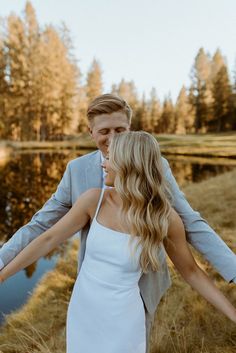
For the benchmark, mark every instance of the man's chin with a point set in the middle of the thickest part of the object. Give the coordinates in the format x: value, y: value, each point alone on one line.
x: 104, y: 152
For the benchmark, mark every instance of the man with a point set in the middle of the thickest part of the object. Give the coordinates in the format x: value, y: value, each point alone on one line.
x: 107, y: 115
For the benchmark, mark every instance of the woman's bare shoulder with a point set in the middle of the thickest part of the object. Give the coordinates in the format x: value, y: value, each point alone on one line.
x: 175, y: 223
x: 93, y: 192
x: 91, y: 196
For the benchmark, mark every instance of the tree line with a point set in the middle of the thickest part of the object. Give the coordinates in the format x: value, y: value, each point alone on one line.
x: 42, y: 97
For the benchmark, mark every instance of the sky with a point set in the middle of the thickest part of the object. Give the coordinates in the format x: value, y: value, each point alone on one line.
x: 152, y: 42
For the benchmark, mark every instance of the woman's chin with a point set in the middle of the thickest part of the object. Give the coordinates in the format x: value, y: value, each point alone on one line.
x: 109, y: 183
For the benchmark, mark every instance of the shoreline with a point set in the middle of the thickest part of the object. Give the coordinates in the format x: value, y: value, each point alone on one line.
x: 205, y: 145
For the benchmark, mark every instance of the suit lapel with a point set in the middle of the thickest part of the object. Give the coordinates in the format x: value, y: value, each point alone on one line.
x: 93, y: 172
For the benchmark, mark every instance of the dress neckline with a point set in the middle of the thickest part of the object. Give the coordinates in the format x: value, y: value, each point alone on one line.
x: 115, y: 231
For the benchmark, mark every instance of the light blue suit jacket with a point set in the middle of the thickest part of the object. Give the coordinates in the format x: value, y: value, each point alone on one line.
x: 84, y: 173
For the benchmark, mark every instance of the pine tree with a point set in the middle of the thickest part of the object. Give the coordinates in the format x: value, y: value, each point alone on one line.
x: 233, y: 100
x: 43, y: 79
x: 128, y: 91
x: 22, y: 59
x: 190, y: 122
x: 202, y: 95
x: 155, y: 110
x: 58, y: 86
x: 183, y: 116
x: 222, y: 94
x: 3, y: 89
x: 94, y: 81
x: 70, y: 87
x: 216, y: 64
x: 16, y: 43
x: 167, y: 120
x: 31, y: 120
x: 222, y: 105
x: 144, y: 114
x: 82, y: 105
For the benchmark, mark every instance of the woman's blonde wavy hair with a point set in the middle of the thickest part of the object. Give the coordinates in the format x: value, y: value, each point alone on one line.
x: 136, y: 159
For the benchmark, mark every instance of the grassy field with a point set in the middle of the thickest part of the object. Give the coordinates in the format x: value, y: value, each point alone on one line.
x: 205, y: 145
x: 184, y: 322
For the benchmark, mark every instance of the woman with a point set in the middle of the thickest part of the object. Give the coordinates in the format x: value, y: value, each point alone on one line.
x: 129, y: 222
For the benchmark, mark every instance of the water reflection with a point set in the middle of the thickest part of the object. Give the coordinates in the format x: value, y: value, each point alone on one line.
x: 29, y: 179
x: 17, y: 289
x: 195, y: 169
x: 26, y: 182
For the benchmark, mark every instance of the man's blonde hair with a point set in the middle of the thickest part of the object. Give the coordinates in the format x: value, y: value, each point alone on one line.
x: 107, y: 104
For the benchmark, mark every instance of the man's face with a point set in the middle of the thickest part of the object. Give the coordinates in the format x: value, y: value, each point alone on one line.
x: 104, y: 126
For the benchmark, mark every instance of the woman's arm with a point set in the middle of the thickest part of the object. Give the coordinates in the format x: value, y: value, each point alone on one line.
x: 199, y: 234
x: 181, y: 256
x: 73, y: 221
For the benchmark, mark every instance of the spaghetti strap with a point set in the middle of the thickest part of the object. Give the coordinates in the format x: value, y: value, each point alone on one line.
x: 99, y: 202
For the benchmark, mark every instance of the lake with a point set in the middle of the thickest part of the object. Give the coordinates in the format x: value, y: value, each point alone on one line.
x: 27, y: 179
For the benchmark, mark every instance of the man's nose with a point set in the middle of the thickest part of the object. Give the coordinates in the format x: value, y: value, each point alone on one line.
x: 111, y: 134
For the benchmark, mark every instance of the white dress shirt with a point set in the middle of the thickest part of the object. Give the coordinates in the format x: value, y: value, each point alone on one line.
x: 103, y: 174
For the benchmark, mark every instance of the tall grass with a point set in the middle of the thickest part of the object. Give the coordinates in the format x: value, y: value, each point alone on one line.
x: 184, y: 322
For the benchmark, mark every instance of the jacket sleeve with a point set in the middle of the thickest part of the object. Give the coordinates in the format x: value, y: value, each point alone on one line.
x: 199, y: 234
x: 55, y: 208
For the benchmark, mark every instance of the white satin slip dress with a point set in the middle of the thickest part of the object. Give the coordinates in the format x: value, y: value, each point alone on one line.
x: 106, y: 312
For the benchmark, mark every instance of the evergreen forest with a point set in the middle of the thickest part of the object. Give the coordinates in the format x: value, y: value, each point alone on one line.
x: 42, y: 97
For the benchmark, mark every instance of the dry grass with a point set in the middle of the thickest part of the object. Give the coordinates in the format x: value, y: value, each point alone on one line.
x: 204, y: 145
x: 184, y: 322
